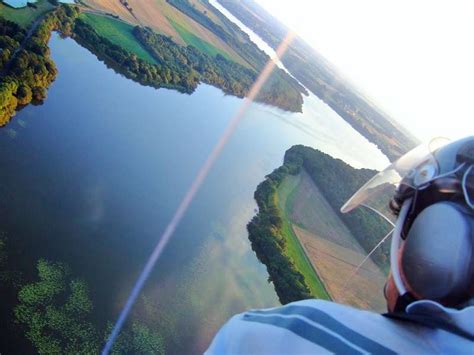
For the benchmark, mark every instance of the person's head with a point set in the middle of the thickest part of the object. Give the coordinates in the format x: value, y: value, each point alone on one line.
x: 433, y: 241
x: 432, y: 251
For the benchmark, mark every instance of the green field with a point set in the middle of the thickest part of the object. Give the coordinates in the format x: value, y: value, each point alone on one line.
x: 197, y: 42
x: 27, y: 15
x: 119, y: 33
x: 283, y: 199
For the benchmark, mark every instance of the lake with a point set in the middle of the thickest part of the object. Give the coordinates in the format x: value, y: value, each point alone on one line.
x: 92, y: 177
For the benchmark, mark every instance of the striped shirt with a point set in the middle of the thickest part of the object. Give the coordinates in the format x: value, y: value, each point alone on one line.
x: 316, y: 326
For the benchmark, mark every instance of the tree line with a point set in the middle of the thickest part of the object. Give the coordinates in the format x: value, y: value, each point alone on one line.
x: 11, y: 35
x: 281, y: 90
x: 27, y: 67
x: 188, y: 61
x: 182, y: 67
x: 267, y: 242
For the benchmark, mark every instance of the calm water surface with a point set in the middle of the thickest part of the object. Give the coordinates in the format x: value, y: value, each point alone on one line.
x: 93, y: 175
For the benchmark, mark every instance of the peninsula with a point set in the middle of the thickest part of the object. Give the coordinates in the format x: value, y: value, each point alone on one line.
x: 309, y: 248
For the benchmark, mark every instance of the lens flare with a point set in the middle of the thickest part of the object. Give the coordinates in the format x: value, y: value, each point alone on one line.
x: 194, y: 188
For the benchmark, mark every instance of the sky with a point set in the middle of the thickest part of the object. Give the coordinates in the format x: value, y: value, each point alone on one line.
x: 414, y: 59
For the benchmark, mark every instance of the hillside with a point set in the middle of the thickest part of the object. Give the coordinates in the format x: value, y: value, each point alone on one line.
x: 315, y: 73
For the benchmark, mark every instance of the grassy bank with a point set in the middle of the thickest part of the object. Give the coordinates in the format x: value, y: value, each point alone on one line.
x: 26, y: 15
x: 193, y: 40
x: 282, y: 208
x: 283, y: 199
x: 117, y: 32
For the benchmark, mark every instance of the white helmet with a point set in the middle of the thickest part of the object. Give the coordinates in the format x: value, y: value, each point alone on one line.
x: 432, y: 252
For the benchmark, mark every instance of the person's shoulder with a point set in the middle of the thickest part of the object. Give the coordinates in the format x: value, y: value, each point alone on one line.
x: 315, y: 309
x: 308, y: 326
x: 319, y: 304
x: 312, y: 310
x: 317, y: 326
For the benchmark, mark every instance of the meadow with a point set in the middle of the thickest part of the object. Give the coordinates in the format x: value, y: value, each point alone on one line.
x: 284, y: 200
x: 315, y: 232
x: 118, y: 32
x: 27, y: 15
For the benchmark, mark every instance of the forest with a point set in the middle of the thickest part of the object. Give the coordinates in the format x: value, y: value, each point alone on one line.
x: 230, y: 77
x: 26, y: 67
x: 269, y: 245
x: 337, y: 181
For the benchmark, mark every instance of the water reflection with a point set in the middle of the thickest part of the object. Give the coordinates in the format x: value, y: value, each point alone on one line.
x: 92, y: 177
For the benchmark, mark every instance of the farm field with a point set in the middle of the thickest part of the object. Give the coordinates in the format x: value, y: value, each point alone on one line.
x: 197, y: 42
x: 311, y: 211
x: 27, y: 15
x: 118, y: 32
x: 332, y: 250
x: 293, y: 247
x: 336, y: 265
x: 157, y: 14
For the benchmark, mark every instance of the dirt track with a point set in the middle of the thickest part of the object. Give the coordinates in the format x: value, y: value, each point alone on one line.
x: 335, y: 266
x: 333, y: 250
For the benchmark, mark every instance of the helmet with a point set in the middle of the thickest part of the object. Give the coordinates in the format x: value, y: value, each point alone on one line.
x: 429, y: 195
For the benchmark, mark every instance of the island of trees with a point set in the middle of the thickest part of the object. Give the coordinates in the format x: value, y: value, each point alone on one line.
x: 337, y: 181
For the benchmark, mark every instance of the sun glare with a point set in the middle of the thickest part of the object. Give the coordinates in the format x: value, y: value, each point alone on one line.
x: 413, y: 59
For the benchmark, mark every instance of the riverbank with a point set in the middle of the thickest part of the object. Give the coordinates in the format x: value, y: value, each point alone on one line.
x: 269, y: 241
x: 285, y: 198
